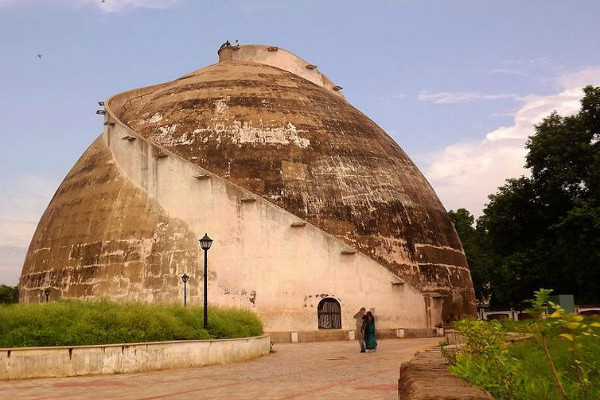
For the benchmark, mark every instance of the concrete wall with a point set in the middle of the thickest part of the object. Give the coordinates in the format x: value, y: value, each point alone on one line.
x: 259, y: 260
x: 46, y: 362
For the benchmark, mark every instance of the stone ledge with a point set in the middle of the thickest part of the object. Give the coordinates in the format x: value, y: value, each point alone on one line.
x: 427, y: 377
x: 62, y: 361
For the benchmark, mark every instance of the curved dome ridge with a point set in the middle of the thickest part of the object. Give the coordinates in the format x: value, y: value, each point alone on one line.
x: 279, y: 58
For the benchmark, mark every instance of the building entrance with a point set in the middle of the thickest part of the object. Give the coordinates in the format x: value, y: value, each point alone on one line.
x: 330, y: 314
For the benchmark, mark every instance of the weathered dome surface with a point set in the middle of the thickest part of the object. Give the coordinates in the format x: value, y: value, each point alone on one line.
x: 264, y: 121
x: 306, y: 149
x: 102, y: 236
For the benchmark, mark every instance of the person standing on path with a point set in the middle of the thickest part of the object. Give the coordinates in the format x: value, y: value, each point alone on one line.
x: 359, y: 326
x: 368, y: 329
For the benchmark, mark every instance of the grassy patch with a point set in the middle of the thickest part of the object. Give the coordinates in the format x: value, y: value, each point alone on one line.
x: 73, y: 322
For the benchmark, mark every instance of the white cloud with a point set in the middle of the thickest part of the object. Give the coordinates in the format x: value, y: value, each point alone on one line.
x: 393, y: 97
x: 125, y: 5
x: 508, y: 71
x: 462, y: 97
x: 521, y: 67
x: 110, y: 6
x: 464, y: 174
x: 22, y: 203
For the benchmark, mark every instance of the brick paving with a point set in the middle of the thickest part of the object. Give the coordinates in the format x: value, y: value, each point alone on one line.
x: 317, y: 370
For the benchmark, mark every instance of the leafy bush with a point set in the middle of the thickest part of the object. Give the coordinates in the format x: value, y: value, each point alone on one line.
x: 9, y: 294
x: 560, y: 360
x: 73, y: 322
x: 484, y: 360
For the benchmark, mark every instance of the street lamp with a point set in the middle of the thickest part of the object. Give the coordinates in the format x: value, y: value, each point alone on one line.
x: 47, y: 293
x: 185, y: 279
x: 205, y: 243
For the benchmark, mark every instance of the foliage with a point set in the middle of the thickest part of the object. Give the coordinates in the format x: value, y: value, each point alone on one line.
x: 478, y: 257
x: 9, y: 294
x: 483, y: 359
x: 544, y: 230
x: 561, y: 362
x: 71, y: 322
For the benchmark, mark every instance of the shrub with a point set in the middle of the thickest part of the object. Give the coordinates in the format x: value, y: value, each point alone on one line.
x: 9, y: 294
x: 560, y: 360
x: 74, y: 322
x: 484, y: 360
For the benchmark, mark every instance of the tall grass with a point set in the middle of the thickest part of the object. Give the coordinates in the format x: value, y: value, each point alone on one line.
x: 73, y: 322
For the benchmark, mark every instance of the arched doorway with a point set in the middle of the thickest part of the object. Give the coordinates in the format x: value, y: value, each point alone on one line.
x: 330, y: 314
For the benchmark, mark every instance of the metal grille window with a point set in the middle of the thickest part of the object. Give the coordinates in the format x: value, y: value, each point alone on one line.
x: 330, y: 314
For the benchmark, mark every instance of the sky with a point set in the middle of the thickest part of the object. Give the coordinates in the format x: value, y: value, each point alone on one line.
x: 458, y: 84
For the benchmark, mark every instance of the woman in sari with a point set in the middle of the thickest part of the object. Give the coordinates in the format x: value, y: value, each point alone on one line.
x: 368, y: 329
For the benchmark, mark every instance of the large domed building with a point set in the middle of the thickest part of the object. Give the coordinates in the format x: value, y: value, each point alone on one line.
x: 314, y: 210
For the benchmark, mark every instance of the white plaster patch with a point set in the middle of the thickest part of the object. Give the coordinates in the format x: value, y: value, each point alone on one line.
x: 185, y: 139
x: 244, y: 132
x: 221, y: 107
x: 166, y: 137
x: 419, y: 245
x: 155, y: 118
x: 119, y: 253
x: 167, y: 129
x: 145, y: 246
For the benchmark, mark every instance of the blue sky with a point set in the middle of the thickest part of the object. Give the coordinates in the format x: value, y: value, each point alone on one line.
x: 458, y: 84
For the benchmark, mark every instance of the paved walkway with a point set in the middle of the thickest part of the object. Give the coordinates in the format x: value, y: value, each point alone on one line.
x: 318, y: 370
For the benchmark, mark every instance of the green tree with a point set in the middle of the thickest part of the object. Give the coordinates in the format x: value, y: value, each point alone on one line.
x: 544, y: 230
x: 9, y: 294
x: 473, y: 241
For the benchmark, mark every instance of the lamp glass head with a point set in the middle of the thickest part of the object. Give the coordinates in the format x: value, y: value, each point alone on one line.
x: 205, y: 242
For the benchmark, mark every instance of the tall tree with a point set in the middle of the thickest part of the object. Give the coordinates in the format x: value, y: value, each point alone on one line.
x: 476, y: 250
x: 544, y: 230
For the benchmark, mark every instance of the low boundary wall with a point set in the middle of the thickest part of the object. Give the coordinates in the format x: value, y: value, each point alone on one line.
x: 46, y: 362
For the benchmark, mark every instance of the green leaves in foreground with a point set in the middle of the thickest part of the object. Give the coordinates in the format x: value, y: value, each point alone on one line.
x: 72, y: 322
x: 558, y: 356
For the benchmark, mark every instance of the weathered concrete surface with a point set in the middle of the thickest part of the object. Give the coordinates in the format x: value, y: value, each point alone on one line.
x: 103, y: 236
x: 42, y: 362
x: 426, y: 377
x: 306, y: 197
x: 307, y: 150
x: 259, y: 262
x: 318, y: 370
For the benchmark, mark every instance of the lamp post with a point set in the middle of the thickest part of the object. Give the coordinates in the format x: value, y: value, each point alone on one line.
x: 47, y: 293
x: 205, y: 243
x: 185, y: 279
